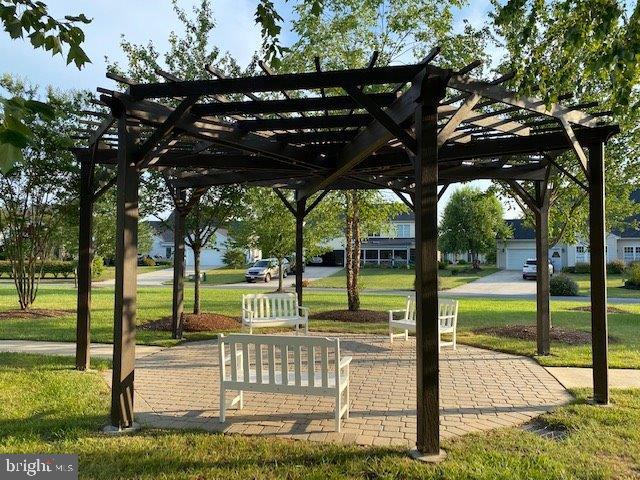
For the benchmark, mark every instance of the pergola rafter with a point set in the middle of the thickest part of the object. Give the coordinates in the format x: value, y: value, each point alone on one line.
x: 408, y: 128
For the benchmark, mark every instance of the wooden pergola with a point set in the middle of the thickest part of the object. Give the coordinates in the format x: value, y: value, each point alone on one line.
x: 407, y: 128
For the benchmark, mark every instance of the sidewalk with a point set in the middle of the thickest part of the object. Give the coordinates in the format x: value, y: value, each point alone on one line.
x: 575, y: 377
x: 98, y: 350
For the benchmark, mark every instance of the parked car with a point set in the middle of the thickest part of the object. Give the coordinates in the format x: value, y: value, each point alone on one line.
x: 530, y: 268
x: 266, y: 269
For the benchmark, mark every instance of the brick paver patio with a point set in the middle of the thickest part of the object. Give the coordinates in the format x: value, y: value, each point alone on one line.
x: 480, y: 390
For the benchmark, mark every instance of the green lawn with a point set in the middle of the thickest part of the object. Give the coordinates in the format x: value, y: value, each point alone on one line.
x: 402, y: 279
x: 222, y: 276
x: 154, y: 303
x: 615, y: 286
x: 45, y: 407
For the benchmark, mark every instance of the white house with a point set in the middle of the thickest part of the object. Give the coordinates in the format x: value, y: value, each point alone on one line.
x: 211, y: 256
x: 397, y: 247
x: 621, y: 244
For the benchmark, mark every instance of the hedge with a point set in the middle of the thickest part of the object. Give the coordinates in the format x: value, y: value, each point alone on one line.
x: 51, y: 268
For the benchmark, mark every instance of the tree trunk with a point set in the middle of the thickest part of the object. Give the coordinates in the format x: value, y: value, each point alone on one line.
x: 280, y: 276
x: 196, y: 279
x: 352, y: 235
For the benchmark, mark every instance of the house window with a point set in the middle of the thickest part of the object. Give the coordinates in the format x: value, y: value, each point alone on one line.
x: 370, y: 256
x: 167, y: 253
x: 403, y: 230
x: 637, y: 253
x: 628, y: 254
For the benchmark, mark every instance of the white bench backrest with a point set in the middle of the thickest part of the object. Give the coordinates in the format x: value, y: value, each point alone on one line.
x: 447, y: 311
x: 270, y: 305
x: 267, y: 354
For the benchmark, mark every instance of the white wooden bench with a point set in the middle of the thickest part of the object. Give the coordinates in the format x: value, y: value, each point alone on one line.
x: 273, y: 310
x: 447, y: 314
x: 283, y: 364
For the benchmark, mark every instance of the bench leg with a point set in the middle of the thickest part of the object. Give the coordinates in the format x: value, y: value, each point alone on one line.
x: 346, y: 413
x: 306, y: 327
x: 454, y: 340
x: 222, y: 405
x: 390, y: 334
x: 406, y: 335
x: 338, y: 409
x: 241, y: 403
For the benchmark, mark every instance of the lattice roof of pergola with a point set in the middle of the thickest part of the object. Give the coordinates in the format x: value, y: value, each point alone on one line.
x: 337, y: 129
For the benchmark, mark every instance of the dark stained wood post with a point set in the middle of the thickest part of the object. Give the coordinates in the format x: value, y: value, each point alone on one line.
x: 427, y: 324
x: 85, y: 257
x: 301, y: 205
x: 597, y: 234
x: 125, y: 281
x: 178, y: 267
x: 543, y: 319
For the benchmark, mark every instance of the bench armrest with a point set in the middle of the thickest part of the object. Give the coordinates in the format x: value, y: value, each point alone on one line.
x: 303, y: 310
x: 250, y: 312
x: 391, y: 312
x: 344, y: 362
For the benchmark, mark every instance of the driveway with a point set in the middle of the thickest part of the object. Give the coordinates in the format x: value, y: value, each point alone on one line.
x: 310, y: 273
x: 503, y: 283
x: 157, y: 277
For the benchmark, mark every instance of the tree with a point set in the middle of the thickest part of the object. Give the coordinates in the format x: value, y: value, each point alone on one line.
x: 36, y: 193
x: 471, y: 222
x: 560, y: 43
x: 270, y: 227
x: 366, y: 211
x: 189, y: 51
x: 216, y: 209
x: 344, y: 36
x: 20, y: 17
x: 587, y: 49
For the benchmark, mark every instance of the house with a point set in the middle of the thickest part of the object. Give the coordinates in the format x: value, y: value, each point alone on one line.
x: 621, y: 244
x: 162, y: 247
x: 395, y: 247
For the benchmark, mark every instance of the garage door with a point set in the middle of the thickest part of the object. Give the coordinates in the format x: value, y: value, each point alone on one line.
x: 517, y: 256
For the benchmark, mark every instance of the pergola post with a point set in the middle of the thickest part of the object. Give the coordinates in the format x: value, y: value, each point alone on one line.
x: 597, y: 235
x: 427, y: 324
x: 125, y: 281
x: 179, y: 215
x: 301, y: 206
x: 543, y: 319
x: 85, y: 257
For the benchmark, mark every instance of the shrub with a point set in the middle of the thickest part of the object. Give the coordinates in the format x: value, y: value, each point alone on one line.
x: 462, y: 262
x: 234, y: 258
x: 568, y: 269
x: 616, y: 266
x: 564, y: 286
x: 50, y: 268
x: 633, y: 276
x: 97, y: 267
x: 148, y: 262
x: 442, y: 266
x: 582, y: 267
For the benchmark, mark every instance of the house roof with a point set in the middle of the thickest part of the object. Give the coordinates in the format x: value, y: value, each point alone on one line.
x: 163, y: 229
x: 520, y: 230
x: 405, y: 217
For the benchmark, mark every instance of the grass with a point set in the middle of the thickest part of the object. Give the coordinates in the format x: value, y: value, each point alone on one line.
x: 154, y: 303
x: 615, y: 286
x: 402, y: 279
x: 224, y: 276
x: 46, y: 407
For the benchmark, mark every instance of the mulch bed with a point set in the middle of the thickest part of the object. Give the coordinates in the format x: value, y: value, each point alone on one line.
x: 588, y: 309
x: 359, y: 316
x: 34, y: 313
x: 528, y: 332
x: 205, y: 322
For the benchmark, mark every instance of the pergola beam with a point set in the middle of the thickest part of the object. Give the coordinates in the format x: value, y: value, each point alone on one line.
x: 272, y: 83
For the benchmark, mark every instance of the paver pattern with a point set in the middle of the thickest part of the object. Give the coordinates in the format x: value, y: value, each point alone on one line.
x: 480, y: 390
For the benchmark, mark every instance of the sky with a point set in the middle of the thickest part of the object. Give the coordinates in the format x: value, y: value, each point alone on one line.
x: 145, y: 20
